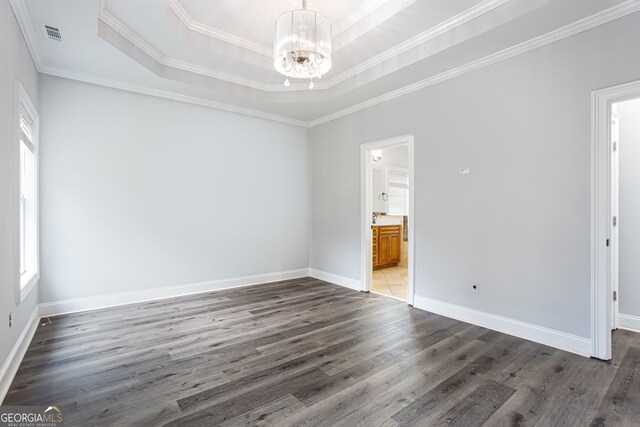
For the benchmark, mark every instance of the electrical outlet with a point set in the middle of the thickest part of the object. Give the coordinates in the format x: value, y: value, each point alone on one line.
x: 475, y: 288
x: 10, y: 320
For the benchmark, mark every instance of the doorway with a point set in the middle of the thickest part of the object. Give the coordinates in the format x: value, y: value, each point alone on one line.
x: 625, y: 202
x: 387, y: 243
x: 616, y: 112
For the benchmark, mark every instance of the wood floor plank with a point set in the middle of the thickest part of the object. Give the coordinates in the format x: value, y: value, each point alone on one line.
x: 382, y: 396
x: 621, y: 404
x: 536, y: 395
x: 358, y: 340
x: 389, y: 389
x: 306, y: 352
x: 336, y: 331
x: 236, y: 404
x: 264, y: 415
x: 478, y: 406
x: 453, y: 388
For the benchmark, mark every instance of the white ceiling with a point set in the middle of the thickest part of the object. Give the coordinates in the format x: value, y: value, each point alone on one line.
x: 218, y: 53
x: 230, y: 16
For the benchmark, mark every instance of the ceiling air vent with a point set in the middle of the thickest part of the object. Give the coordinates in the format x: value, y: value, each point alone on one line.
x: 53, y: 33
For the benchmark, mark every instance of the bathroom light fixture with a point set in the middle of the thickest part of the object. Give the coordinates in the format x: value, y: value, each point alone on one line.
x: 302, y: 45
x: 376, y: 155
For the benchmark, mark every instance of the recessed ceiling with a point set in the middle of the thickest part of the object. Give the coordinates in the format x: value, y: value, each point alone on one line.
x: 231, y: 16
x: 219, y: 53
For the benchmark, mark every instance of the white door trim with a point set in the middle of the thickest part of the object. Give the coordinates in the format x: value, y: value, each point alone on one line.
x: 366, y: 212
x: 615, y: 210
x: 601, y: 213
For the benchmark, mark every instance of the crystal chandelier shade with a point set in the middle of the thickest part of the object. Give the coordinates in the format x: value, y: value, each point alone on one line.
x: 302, y: 46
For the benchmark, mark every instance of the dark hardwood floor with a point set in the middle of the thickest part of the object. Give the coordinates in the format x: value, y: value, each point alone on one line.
x: 305, y: 352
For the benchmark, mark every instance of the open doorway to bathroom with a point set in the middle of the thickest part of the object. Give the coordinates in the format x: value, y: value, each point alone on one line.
x: 625, y: 207
x: 615, y: 224
x: 388, y: 218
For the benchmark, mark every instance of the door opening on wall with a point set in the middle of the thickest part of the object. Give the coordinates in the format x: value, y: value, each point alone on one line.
x: 614, y: 299
x: 387, y: 236
x: 625, y: 208
x: 615, y: 214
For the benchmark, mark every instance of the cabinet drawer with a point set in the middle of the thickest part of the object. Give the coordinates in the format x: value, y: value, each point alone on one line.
x: 389, y: 229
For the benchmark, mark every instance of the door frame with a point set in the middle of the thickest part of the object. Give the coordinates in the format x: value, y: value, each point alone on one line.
x: 366, y: 256
x: 602, y: 230
x: 615, y: 211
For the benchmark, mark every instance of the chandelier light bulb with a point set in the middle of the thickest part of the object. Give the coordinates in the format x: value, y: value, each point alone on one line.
x: 311, y: 85
x: 287, y: 83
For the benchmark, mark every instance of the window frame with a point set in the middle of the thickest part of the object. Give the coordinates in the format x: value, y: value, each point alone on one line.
x: 404, y: 186
x: 23, y: 102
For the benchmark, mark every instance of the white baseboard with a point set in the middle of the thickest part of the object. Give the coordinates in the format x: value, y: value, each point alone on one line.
x: 629, y: 322
x: 546, y: 336
x: 528, y: 331
x: 14, y: 359
x: 112, y: 300
x: 347, y: 282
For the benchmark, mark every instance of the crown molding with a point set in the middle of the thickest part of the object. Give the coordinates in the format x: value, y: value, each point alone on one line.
x: 572, y: 29
x: 468, y: 15
x: 145, y: 90
x: 24, y: 22
x: 26, y: 27
x: 600, y: 18
x: 111, y: 21
x: 349, y: 21
x: 119, y: 27
x: 176, y: 7
x: 358, y: 15
x: 364, y: 19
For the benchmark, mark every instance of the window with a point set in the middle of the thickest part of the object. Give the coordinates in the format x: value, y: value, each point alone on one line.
x: 398, y: 182
x: 28, y: 193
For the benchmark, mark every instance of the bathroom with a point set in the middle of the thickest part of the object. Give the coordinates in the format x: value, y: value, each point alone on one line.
x: 390, y: 221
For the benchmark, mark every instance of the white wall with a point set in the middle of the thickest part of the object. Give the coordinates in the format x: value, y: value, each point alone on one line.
x: 629, y: 207
x: 15, y: 64
x: 140, y: 192
x: 520, y: 222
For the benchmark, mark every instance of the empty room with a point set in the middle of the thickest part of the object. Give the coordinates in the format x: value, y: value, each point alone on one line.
x: 319, y: 213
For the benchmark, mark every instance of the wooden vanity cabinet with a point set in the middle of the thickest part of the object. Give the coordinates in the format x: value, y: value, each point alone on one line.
x: 386, y: 246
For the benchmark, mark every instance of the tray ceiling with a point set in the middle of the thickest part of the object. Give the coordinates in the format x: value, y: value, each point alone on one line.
x: 219, y: 53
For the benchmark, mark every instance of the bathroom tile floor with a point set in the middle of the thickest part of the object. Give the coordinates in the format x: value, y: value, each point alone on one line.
x: 392, y: 281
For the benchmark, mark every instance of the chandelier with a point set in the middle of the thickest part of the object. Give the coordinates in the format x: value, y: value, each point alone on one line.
x: 302, y: 45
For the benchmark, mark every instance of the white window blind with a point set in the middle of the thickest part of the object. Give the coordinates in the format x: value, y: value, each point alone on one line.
x: 398, y: 182
x: 28, y: 202
x: 26, y: 130
x: 398, y: 178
